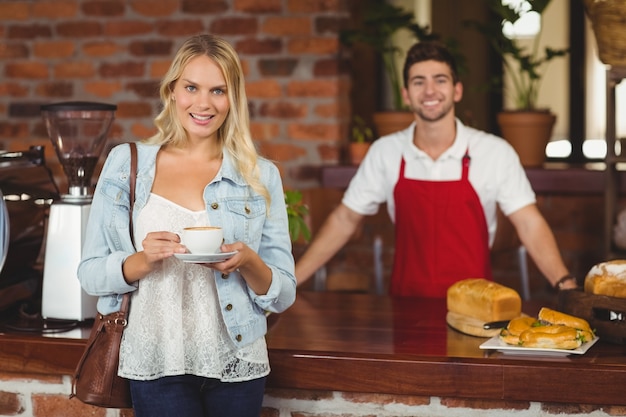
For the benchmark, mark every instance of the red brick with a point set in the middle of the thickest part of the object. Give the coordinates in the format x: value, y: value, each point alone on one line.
x: 234, y: 26
x: 383, y: 399
x: 313, y: 6
x: 153, y: 8
x: 279, y: 67
x: 80, y: 29
x: 122, y: 69
x: 102, y: 88
x: 564, y: 409
x: 256, y: 6
x: 150, y: 47
x: 129, y: 110
x: 281, y: 151
x: 159, y: 68
x: 264, y: 131
x: 139, y: 130
x: 25, y: 109
x: 13, y: 50
x: 269, y: 412
x: 321, y: 46
x: 263, y: 89
x: 10, y: 403
x: 13, y: 89
x: 334, y: 110
x: 254, y: 46
x: 13, y: 130
x: 54, y: 9
x: 313, y: 88
x: 180, y: 27
x: 331, y: 67
x: 55, y: 89
x: 14, y: 10
x: 73, y: 69
x: 103, y: 8
x: 60, y: 405
x: 330, y: 24
x: 127, y: 28
x: 53, y: 49
x: 484, y: 404
x: 317, y: 131
x: 101, y: 48
x: 26, y: 70
x: 615, y: 410
x: 31, y: 31
x: 283, y: 110
x: 204, y: 7
x: 287, y: 26
x: 146, y: 89
x: 298, y: 394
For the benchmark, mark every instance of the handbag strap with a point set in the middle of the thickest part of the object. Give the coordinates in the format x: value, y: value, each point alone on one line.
x: 131, y: 193
x: 131, y: 199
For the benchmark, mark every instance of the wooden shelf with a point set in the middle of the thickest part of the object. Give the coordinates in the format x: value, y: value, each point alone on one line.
x: 613, y: 180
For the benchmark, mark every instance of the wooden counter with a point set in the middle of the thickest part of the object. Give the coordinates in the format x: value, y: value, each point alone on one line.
x: 552, y: 178
x: 366, y: 343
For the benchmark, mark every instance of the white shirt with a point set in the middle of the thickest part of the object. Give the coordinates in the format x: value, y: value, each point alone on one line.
x: 175, y: 324
x: 495, y: 172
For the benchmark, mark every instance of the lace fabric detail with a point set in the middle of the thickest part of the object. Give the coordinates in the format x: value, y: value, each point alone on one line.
x: 175, y: 324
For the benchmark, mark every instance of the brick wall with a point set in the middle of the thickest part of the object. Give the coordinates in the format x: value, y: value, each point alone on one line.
x: 47, y: 396
x: 116, y: 51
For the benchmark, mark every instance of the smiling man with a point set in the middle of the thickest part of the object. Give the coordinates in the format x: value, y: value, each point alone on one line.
x: 442, y: 182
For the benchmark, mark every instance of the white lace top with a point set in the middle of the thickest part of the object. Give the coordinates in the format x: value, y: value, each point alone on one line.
x: 175, y: 324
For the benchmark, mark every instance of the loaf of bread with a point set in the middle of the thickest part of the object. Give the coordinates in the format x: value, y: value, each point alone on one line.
x: 484, y: 300
x: 607, y: 278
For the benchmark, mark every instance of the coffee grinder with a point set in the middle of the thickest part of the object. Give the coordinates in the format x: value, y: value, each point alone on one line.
x: 78, y: 131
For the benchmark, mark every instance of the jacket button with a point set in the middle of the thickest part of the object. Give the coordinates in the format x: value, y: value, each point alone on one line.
x: 238, y: 337
x: 214, y: 206
x: 224, y: 276
x: 229, y: 307
x: 247, y: 209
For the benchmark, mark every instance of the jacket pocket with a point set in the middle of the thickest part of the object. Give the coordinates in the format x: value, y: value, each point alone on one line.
x: 248, y: 218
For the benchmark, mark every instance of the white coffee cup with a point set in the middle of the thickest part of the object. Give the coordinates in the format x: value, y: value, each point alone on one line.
x: 203, y: 239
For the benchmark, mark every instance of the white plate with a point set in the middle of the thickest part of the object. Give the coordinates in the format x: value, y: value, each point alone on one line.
x: 496, y: 344
x: 208, y: 258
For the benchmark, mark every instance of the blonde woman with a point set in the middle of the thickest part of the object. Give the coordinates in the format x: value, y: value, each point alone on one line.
x: 194, y: 345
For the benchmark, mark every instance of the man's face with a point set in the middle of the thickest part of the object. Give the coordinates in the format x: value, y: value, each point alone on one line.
x: 431, y: 92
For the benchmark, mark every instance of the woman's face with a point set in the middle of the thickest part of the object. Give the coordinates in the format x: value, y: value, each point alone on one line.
x: 201, y: 99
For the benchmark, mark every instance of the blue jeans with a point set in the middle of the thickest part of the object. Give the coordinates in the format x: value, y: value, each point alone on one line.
x: 194, y: 396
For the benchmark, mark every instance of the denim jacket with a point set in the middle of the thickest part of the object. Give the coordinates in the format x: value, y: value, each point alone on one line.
x: 230, y: 203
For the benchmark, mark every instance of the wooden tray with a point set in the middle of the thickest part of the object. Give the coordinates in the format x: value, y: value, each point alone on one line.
x: 469, y: 325
x: 606, y: 315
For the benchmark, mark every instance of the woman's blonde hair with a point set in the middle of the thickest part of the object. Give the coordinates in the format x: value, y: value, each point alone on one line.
x: 234, y: 134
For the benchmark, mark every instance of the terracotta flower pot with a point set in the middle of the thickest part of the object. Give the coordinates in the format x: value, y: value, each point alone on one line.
x: 357, y: 151
x: 392, y: 121
x: 529, y: 133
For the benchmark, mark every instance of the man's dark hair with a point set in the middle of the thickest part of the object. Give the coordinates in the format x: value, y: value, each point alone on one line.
x: 429, y: 51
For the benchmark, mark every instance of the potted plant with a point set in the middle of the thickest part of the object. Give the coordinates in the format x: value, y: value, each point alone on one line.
x: 361, y: 137
x: 380, y: 23
x: 296, y: 215
x: 525, y: 67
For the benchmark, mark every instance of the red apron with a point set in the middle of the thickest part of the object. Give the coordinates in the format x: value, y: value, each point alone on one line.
x: 441, y: 235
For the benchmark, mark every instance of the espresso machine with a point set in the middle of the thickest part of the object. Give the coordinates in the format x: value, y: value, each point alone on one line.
x: 78, y: 131
x: 27, y: 190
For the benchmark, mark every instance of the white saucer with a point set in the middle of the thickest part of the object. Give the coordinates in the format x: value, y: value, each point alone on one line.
x: 204, y: 258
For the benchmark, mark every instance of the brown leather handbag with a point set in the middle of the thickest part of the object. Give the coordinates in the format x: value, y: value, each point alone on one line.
x: 95, y: 379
